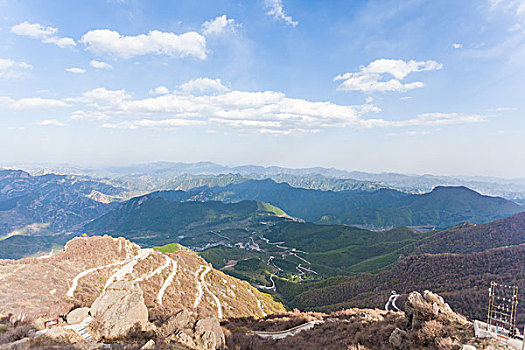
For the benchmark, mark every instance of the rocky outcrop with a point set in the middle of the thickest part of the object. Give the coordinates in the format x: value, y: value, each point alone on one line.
x: 190, y: 329
x: 209, y: 334
x: 430, y: 306
x: 119, y: 309
x: 429, y: 321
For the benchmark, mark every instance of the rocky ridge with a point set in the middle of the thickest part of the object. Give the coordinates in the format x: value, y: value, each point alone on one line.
x: 50, y: 287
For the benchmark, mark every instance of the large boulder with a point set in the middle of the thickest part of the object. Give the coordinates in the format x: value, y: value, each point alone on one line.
x: 120, y: 307
x: 78, y: 315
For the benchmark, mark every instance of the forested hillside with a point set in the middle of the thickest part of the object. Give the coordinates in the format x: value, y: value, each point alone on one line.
x: 462, y: 278
x: 442, y: 208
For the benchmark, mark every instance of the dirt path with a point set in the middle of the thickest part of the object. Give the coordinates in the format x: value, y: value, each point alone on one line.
x: 200, y: 292
x: 156, y: 271
x: 289, y: 332
x: 392, y: 302
x: 11, y: 273
x: 217, y: 301
x: 128, y: 268
x: 73, y: 287
x: 168, y: 281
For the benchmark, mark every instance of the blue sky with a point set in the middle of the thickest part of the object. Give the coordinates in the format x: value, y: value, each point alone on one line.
x: 407, y: 86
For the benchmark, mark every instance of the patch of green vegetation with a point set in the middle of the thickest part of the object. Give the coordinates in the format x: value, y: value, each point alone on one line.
x: 271, y: 209
x: 221, y: 255
x: 168, y: 248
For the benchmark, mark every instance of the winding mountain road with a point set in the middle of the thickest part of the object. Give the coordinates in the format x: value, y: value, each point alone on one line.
x: 217, y: 301
x: 12, y: 272
x: 272, y: 287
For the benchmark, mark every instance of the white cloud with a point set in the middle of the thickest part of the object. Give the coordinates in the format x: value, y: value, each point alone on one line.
x: 275, y: 9
x: 406, y: 98
x: 33, y: 30
x: 12, y: 69
x: 43, y: 33
x: 369, y: 78
x: 100, y: 65
x: 76, y: 70
x: 516, y: 7
x: 457, y: 46
x: 89, y: 116
x: 203, y: 84
x: 109, y: 42
x: 102, y: 98
x: 51, y: 122
x: 148, y: 123
x: 60, y: 42
x: 218, y: 26
x: 33, y: 103
x: 159, y: 90
x: 502, y: 109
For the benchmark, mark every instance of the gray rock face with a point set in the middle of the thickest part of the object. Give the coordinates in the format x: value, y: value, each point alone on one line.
x: 78, y: 315
x: 118, y: 309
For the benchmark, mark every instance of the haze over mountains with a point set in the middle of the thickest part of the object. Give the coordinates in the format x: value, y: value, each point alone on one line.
x: 315, y: 177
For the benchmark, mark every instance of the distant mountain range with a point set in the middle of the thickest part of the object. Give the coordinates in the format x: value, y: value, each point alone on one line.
x: 441, y: 208
x: 157, y: 176
x: 50, y: 203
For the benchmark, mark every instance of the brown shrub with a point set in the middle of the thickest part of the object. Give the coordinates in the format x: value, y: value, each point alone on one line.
x: 19, y: 330
x: 431, y: 330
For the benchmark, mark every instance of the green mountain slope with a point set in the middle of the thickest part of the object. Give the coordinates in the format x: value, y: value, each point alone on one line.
x: 153, y: 221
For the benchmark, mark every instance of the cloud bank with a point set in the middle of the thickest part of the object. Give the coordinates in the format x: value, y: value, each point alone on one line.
x: 207, y: 101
